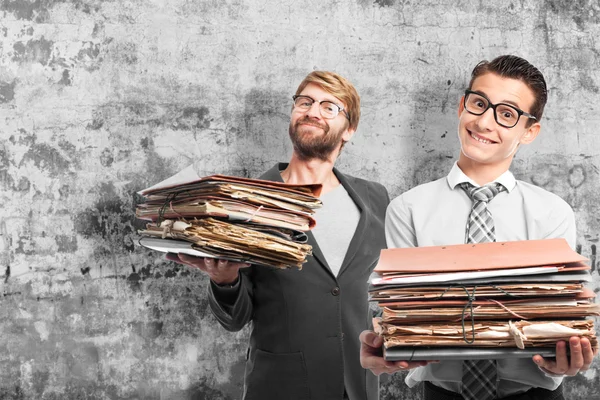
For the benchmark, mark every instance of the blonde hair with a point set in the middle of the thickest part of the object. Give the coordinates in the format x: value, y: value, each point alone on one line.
x: 339, y: 87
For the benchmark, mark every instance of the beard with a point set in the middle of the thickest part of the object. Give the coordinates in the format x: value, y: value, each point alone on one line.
x: 308, y: 146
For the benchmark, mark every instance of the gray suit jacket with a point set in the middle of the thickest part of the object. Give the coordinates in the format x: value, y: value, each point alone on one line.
x: 305, y: 323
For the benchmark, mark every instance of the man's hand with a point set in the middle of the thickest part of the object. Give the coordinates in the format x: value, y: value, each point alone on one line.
x: 221, y: 272
x: 580, y: 359
x: 371, y: 356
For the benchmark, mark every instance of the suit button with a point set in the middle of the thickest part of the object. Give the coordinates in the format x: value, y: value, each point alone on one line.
x: 335, y: 291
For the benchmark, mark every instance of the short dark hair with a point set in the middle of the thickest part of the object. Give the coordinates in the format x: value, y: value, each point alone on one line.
x: 509, y: 66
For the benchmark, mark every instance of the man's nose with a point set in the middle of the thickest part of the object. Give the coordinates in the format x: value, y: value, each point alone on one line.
x: 314, y: 110
x: 487, y: 121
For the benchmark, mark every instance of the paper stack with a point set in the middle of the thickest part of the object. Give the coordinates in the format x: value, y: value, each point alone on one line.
x: 238, y: 219
x: 503, y: 299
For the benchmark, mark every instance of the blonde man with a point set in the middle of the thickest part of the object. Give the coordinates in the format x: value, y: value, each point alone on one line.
x: 305, y: 324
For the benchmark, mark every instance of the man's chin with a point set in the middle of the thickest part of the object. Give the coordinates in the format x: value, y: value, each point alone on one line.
x: 306, y: 151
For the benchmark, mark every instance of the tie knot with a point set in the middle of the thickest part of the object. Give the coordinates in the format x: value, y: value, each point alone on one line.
x: 483, y: 193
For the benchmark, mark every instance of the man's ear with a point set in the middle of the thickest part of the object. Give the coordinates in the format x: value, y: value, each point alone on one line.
x: 531, y: 133
x: 461, y: 105
x: 347, y: 135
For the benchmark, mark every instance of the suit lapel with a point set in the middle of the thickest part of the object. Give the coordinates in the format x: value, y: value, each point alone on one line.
x: 359, y: 195
x: 317, y: 253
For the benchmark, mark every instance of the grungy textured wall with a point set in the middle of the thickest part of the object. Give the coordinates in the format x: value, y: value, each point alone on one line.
x: 99, y: 99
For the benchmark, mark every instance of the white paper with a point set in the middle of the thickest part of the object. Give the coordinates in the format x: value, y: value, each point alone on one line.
x: 458, y: 276
x: 172, y: 246
x: 186, y: 175
x: 549, y: 330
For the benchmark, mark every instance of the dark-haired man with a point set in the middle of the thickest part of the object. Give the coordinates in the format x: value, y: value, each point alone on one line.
x: 500, y: 111
x: 305, y: 324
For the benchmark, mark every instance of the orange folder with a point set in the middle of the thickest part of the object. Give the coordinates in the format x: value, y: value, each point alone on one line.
x: 480, y: 257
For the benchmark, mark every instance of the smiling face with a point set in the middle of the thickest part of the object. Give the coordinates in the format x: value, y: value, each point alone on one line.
x: 313, y: 136
x: 485, y: 143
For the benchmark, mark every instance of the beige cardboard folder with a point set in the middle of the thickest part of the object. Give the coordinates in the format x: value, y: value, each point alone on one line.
x: 477, y: 257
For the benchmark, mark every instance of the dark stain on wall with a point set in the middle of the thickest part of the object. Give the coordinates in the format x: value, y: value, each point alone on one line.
x: 98, y: 29
x: 579, y: 387
x: 39, y: 50
x: 147, y: 330
x: 89, y: 56
x: 587, y: 81
x: 64, y: 191
x: 126, y: 52
x: 109, y: 222
x: 106, y: 158
x: 576, y: 176
x: 133, y: 113
x: 157, y: 169
x: 385, y: 3
x: 392, y: 387
x: 25, y: 9
x: 432, y: 167
x: 553, y: 173
x: 145, y: 143
x: 6, y: 180
x: 7, y: 91
x: 579, y: 10
x: 66, y: 78
x: 66, y: 244
x: 202, y: 391
x: 192, y: 118
x: 39, y: 381
x: 38, y: 10
x: 67, y: 146
x: 437, y: 96
x: 149, y: 272
x: 46, y: 157
x: 24, y: 245
x: 97, y: 121
x: 266, y: 112
x: 23, y: 186
x: 11, y: 392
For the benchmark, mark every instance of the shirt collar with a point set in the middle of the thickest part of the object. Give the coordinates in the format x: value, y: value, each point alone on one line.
x: 456, y: 176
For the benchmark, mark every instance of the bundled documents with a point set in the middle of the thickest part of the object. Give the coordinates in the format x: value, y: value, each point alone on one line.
x: 521, y: 296
x: 238, y: 219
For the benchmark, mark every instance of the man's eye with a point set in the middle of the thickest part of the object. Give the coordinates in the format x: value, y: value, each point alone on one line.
x: 329, y: 106
x: 507, y: 114
x: 304, y: 103
x: 480, y: 103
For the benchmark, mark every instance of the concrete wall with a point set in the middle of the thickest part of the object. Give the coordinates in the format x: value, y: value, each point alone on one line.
x: 99, y: 99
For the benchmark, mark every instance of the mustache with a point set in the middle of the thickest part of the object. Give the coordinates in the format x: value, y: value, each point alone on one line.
x: 307, y: 121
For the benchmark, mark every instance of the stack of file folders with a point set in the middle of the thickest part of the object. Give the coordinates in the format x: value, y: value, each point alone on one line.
x: 478, y: 301
x: 238, y: 219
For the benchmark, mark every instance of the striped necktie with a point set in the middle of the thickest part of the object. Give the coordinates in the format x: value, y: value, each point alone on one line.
x: 480, y: 376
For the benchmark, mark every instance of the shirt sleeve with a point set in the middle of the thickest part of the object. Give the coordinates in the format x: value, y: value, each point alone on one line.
x: 232, y: 307
x: 563, y: 224
x: 399, y: 229
x: 226, y: 294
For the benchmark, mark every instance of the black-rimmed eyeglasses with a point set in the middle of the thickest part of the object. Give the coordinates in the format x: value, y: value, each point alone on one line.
x: 328, y: 109
x: 504, y: 114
